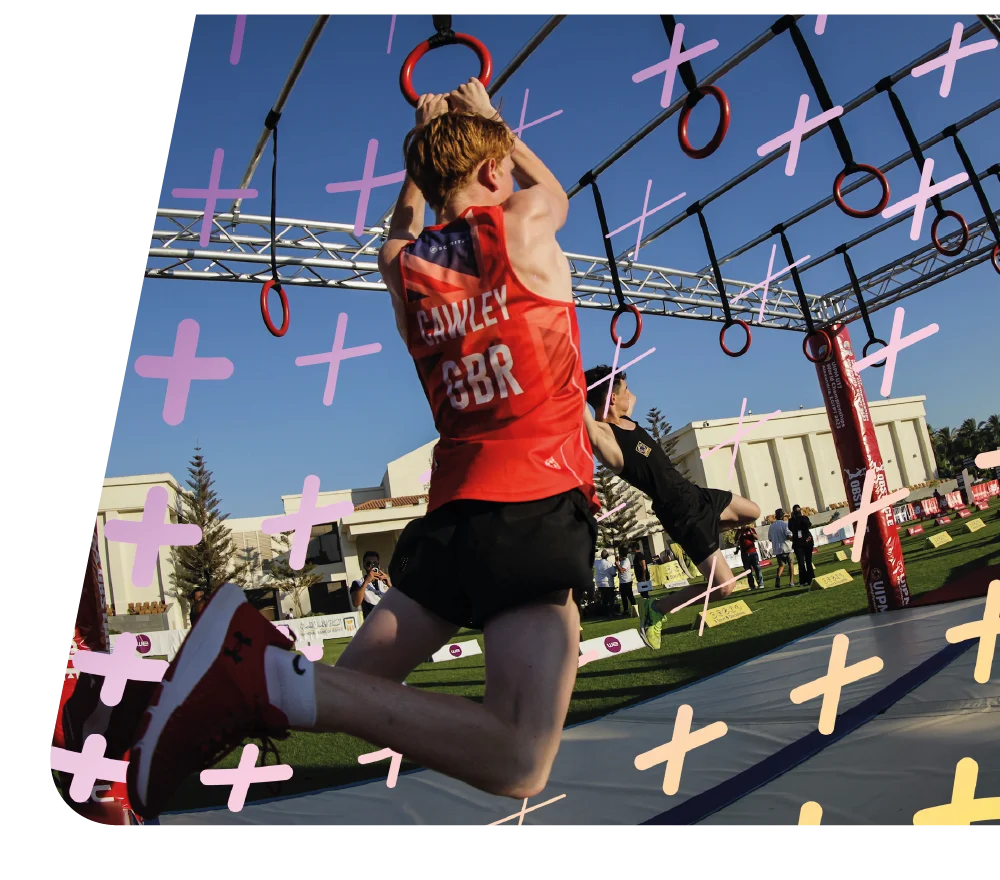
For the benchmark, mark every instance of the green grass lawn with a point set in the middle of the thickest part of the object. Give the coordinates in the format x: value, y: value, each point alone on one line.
x: 779, y: 616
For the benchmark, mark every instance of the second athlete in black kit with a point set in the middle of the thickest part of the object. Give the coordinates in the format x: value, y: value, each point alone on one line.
x: 693, y: 516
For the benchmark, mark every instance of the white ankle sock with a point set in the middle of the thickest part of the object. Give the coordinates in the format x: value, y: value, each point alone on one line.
x: 291, y: 685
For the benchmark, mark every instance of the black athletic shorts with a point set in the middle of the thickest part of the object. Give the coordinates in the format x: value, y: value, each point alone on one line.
x: 698, y: 532
x: 467, y: 560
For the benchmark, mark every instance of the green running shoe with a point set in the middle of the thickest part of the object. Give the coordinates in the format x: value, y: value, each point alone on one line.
x: 650, y: 624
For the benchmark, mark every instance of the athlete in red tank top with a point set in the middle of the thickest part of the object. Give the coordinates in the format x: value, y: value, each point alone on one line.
x: 500, y: 366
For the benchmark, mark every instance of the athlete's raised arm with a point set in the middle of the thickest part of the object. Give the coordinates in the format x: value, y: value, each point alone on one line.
x: 603, y: 442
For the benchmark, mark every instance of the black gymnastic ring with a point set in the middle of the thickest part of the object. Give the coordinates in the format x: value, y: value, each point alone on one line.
x: 720, y: 131
x: 266, y: 314
x: 996, y: 257
x: 853, y: 212
x: 965, y: 234
x: 406, y: 71
x: 817, y: 331
x: 722, y: 337
x: 872, y: 341
x: 621, y: 310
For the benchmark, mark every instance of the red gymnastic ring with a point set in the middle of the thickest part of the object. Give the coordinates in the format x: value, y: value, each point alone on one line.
x: 722, y: 338
x: 827, y: 342
x: 406, y: 71
x: 853, y: 212
x: 996, y: 257
x: 720, y: 131
x: 265, y: 313
x: 638, y: 325
x: 870, y: 342
x: 963, y: 241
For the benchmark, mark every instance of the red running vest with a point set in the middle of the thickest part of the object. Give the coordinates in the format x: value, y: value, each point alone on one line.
x: 500, y: 366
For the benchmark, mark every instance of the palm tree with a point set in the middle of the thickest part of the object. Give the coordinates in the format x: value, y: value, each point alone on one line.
x: 968, y: 437
x: 991, y: 431
x: 944, y: 447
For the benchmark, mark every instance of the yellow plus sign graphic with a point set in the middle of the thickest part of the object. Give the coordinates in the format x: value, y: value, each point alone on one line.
x: 986, y: 630
x: 811, y: 814
x: 964, y: 808
x: 828, y: 686
x: 682, y: 742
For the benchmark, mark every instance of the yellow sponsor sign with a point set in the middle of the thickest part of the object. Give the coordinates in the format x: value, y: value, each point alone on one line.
x: 939, y: 539
x: 833, y: 579
x: 974, y: 525
x: 724, y: 613
x: 668, y: 572
x: 842, y: 555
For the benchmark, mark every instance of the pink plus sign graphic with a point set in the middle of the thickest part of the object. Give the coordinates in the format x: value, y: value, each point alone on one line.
x: 237, y: 48
x: 767, y: 281
x: 641, y: 219
x: 709, y: 590
x: 425, y: 476
x: 245, y: 775
x: 337, y: 354
x: 365, y: 186
x: 524, y: 109
x: 211, y: 196
x: 180, y: 368
x: 820, y: 25
x: 392, y: 27
x: 381, y: 755
x: 669, y: 67
x: 307, y: 516
x: 589, y: 657
x: 951, y: 57
x: 119, y: 666
x: 918, y: 201
x: 87, y: 766
x: 740, y: 432
x: 866, y: 507
x: 897, y: 342
x: 793, y: 137
x: 151, y: 533
x: 616, y: 369
x: 310, y: 652
x: 613, y: 510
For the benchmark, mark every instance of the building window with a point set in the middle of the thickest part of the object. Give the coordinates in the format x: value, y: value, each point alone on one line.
x: 324, y: 545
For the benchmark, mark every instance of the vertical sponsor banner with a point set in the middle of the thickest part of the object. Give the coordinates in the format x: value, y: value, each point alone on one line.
x: 108, y: 803
x: 857, y: 450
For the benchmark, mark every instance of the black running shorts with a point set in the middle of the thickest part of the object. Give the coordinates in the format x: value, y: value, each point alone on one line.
x: 698, y: 532
x: 469, y: 560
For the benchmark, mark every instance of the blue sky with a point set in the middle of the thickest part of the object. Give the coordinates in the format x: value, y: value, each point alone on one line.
x: 266, y: 428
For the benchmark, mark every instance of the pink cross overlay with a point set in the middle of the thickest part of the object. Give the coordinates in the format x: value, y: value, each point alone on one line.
x: 211, y: 196
x: 897, y: 342
x: 335, y: 356
x: 151, y: 533
x: 180, y: 368
x: 87, y: 766
x: 641, y: 219
x: 740, y: 432
x: 392, y: 27
x: 524, y: 109
x: 613, y: 510
x: 616, y: 369
x: 381, y: 755
x: 951, y: 57
x: 918, y: 201
x: 311, y: 652
x: 118, y: 667
x: 767, y: 281
x: 708, y: 590
x: 365, y: 186
x: 793, y: 137
x: 589, y: 657
x: 866, y: 507
x: 820, y: 25
x: 245, y: 775
x: 307, y: 516
x: 237, y: 48
x: 669, y: 67
x: 986, y: 460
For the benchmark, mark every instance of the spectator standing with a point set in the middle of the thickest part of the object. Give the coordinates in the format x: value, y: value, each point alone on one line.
x: 603, y: 569
x: 746, y: 541
x: 640, y: 568
x: 625, y: 577
x: 367, y: 592
x: 198, y: 603
x: 802, y: 544
x: 780, y: 537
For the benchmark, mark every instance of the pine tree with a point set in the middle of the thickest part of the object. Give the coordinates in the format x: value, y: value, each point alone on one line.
x: 617, y: 529
x: 214, y: 560
x: 659, y: 429
x: 290, y: 580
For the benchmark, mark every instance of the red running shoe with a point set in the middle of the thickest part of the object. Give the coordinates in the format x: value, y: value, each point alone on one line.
x: 213, y: 696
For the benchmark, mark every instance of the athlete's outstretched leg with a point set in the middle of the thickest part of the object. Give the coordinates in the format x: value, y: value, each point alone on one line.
x: 740, y: 512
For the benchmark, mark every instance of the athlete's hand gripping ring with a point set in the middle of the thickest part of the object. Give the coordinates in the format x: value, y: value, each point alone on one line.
x: 722, y: 338
x: 265, y: 312
x: 621, y: 310
x: 826, y: 346
x: 963, y: 239
x: 854, y: 212
x: 406, y: 71
x: 720, y: 131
